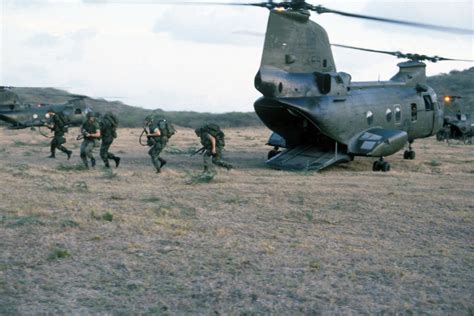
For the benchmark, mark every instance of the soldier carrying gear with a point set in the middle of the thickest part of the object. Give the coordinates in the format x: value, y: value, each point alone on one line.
x: 212, y: 139
x: 91, y: 131
x: 159, y: 133
x: 57, y: 124
x: 108, y: 131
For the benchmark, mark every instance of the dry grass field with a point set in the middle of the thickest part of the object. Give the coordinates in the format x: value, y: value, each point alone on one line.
x: 250, y: 241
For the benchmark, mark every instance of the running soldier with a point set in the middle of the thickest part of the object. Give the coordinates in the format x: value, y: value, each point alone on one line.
x: 212, y: 140
x: 108, y: 131
x: 159, y: 132
x: 90, y: 129
x: 57, y: 124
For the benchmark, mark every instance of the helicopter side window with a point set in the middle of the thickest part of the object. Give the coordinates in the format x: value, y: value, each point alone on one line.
x: 78, y: 111
x: 323, y: 81
x: 428, y: 103
x: 388, y: 115
x: 398, y: 113
x: 414, y: 112
x: 370, y: 117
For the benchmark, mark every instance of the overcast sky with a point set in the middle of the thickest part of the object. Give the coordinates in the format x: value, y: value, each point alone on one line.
x: 200, y: 58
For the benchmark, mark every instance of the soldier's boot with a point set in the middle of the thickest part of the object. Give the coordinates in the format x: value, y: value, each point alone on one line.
x: 53, y: 151
x: 69, y: 154
x: 206, y: 169
x: 86, y: 164
x: 92, y: 162
x: 106, y: 162
x: 162, y: 162
x: 117, y: 161
x: 228, y: 166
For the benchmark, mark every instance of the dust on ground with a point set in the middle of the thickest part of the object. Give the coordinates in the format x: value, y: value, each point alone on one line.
x: 252, y: 240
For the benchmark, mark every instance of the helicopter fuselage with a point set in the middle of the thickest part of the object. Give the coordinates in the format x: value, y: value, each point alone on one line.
x: 384, y: 105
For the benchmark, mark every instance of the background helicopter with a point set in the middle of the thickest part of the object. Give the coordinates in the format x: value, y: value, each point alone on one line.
x: 458, y: 125
x: 20, y: 115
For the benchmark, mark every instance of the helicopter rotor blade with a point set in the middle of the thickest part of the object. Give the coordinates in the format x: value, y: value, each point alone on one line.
x: 409, y: 56
x: 263, y: 4
x: 367, y: 49
x: 320, y: 10
x: 303, y: 5
x: 452, y: 59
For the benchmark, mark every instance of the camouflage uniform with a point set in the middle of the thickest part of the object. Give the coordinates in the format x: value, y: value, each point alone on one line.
x: 59, y: 129
x: 89, y: 142
x: 157, y: 144
x: 217, y: 157
x: 108, y: 134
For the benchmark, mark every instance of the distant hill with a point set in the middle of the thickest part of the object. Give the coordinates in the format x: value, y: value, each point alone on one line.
x: 460, y: 83
x: 131, y: 116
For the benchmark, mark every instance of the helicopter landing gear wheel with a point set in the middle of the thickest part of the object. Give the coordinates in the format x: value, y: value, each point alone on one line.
x: 272, y: 153
x: 381, y: 165
x: 409, y: 154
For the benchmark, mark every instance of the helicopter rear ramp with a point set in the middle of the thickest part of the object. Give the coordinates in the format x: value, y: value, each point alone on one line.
x: 307, y: 157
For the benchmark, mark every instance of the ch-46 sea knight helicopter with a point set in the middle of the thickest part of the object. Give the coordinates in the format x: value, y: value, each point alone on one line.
x: 317, y: 113
x: 459, y: 124
x: 20, y: 115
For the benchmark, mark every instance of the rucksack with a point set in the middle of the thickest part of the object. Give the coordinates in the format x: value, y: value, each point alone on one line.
x: 63, y: 121
x: 215, y: 131
x: 112, y: 119
x: 166, y: 128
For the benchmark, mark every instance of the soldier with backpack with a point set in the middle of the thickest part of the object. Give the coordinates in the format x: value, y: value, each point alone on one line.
x: 108, y: 132
x: 90, y: 130
x: 158, y: 134
x: 57, y: 124
x: 212, y: 140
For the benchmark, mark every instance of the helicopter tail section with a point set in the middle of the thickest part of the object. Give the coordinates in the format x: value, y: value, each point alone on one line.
x: 294, y: 43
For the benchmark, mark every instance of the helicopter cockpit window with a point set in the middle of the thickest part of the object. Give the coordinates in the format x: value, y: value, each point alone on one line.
x: 398, y: 113
x: 428, y: 103
x: 388, y: 115
x: 414, y: 112
x: 323, y: 81
x: 370, y: 117
x: 78, y: 111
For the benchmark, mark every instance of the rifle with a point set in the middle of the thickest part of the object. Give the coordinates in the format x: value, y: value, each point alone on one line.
x: 199, y: 151
x: 82, y: 135
x: 141, y: 137
x: 43, y: 124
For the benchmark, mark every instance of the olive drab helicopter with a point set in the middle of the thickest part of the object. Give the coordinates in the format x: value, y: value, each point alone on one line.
x: 458, y: 126
x: 20, y: 115
x: 317, y: 113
